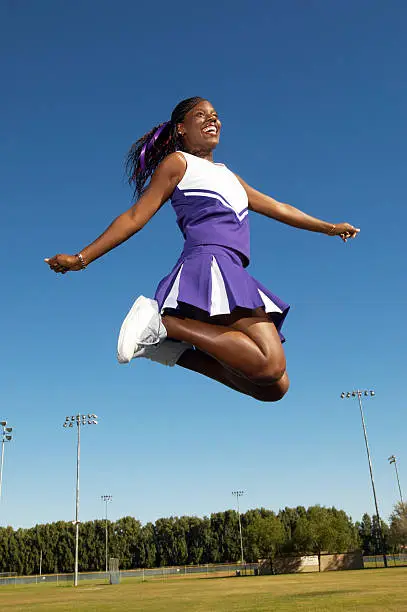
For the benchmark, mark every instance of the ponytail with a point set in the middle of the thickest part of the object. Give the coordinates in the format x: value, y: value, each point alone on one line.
x: 149, y: 150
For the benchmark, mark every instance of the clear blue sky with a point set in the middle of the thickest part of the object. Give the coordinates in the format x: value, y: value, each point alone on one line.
x: 312, y: 96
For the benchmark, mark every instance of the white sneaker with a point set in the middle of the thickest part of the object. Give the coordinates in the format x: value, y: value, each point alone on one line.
x: 142, y: 327
x: 167, y: 352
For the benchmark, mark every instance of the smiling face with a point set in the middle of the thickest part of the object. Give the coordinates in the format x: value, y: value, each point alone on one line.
x: 200, y: 129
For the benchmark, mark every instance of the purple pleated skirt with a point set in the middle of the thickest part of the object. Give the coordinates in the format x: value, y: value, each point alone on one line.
x: 213, y: 279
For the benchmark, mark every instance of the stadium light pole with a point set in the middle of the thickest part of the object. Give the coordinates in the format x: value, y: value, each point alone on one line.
x: 391, y: 460
x: 106, y: 499
x: 358, y: 393
x: 80, y: 420
x: 238, y: 494
x: 5, y: 433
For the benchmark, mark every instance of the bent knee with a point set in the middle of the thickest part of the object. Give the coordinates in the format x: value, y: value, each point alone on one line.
x: 269, y: 373
x: 273, y: 392
x: 264, y: 369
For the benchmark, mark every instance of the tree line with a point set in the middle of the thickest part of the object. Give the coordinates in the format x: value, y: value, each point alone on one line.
x: 193, y: 540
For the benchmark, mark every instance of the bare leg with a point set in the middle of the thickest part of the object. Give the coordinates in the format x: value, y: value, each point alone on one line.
x: 200, y: 362
x: 250, y: 345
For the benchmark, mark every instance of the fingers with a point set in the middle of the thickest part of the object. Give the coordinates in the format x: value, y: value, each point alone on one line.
x: 59, y: 269
x: 345, y: 236
x: 55, y: 265
x: 351, y: 232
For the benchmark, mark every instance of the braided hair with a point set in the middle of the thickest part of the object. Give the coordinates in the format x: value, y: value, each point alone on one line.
x: 149, y: 150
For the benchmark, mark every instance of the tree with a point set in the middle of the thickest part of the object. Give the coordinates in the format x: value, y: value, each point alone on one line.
x: 179, y: 546
x: 92, y: 545
x: 15, y: 547
x: 64, y: 560
x: 145, y: 551
x: 264, y: 537
x: 380, y: 536
x: 365, y: 534
x: 192, y: 540
x: 198, y: 537
x: 226, y: 537
x: 324, y: 530
x: 398, y: 526
x: 170, y: 541
x: 125, y: 541
x: 289, y: 518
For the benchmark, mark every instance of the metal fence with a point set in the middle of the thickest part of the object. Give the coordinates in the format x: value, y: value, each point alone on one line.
x: 377, y: 560
x: 164, y: 573
x: 158, y: 573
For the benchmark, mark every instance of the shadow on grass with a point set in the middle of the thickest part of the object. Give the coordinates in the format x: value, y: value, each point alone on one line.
x: 226, y: 577
x: 312, y: 594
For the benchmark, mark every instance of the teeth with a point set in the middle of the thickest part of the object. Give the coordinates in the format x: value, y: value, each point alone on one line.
x: 211, y: 129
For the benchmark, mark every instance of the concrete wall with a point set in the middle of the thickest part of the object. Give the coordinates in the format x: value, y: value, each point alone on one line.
x: 345, y: 561
x: 311, y: 563
x: 289, y: 565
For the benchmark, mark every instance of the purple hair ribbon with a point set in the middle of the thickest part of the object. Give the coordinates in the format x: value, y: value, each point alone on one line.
x: 147, y: 145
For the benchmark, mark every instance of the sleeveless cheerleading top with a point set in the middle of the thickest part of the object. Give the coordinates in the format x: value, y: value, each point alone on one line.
x: 212, y: 207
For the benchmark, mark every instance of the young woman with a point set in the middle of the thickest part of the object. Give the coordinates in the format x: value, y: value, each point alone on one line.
x: 209, y: 315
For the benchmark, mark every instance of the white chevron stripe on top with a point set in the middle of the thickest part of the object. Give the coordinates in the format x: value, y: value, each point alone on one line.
x: 239, y: 214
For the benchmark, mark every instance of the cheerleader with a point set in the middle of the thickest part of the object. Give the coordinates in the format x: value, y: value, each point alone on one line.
x: 208, y: 314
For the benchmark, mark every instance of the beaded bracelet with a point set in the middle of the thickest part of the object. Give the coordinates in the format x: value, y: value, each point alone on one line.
x: 81, y: 260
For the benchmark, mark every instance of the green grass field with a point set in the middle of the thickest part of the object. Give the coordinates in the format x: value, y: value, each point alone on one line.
x: 373, y: 590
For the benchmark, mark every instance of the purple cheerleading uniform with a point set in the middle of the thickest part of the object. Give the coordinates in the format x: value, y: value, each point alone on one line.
x: 212, y: 214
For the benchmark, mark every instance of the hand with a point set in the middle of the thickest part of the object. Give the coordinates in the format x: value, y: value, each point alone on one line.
x: 61, y: 264
x: 345, y: 231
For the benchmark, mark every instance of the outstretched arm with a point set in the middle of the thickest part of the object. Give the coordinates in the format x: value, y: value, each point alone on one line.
x: 163, y: 182
x: 263, y: 204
